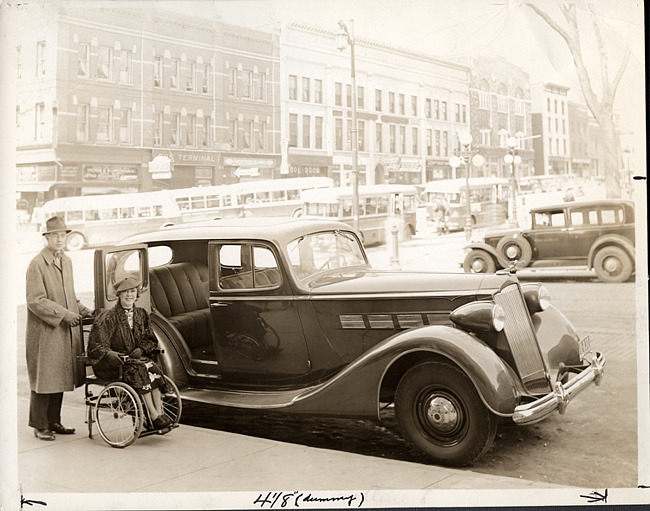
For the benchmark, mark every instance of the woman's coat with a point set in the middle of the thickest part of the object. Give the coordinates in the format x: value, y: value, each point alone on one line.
x: 52, y: 346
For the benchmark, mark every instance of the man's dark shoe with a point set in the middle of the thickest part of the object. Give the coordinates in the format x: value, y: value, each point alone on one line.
x: 161, y: 422
x: 59, y: 428
x: 44, y: 434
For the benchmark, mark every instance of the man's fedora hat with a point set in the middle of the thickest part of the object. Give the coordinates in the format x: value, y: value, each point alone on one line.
x: 127, y: 283
x: 55, y: 224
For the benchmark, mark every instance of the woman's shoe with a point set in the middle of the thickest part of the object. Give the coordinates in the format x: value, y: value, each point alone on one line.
x: 162, y: 421
x: 44, y: 434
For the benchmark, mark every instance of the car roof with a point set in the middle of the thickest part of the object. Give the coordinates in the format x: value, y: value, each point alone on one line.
x: 277, y: 229
x: 583, y: 204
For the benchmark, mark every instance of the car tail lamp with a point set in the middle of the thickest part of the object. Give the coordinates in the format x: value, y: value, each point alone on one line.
x: 479, y: 317
x: 537, y: 297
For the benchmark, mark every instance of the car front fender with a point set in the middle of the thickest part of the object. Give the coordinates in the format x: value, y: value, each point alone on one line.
x: 355, y: 390
x: 611, y: 239
x: 503, y: 262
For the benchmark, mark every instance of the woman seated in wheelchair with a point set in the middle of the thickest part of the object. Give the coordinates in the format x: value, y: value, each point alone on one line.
x: 119, y: 347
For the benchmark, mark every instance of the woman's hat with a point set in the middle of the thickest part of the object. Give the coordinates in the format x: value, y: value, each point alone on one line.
x: 127, y: 283
x: 55, y: 224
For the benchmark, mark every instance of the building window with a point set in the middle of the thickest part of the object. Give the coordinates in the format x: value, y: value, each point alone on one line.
x: 318, y: 132
x: 190, y: 78
x: 414, y: 141
x: 190, y: 130
x: 401, y: 104
x: 378, y: 100
x: 379, y: 136
x: 486, y: 138
x: 247, y: 135
x: 392, y: 138
x: 306, y: 132
x: 157, y: 71
x: 82, y: 123
x: 437, y: 143
x: 207, y: 129
x: 318, y: 91
x: 205, y: 86
x: 19, y: 62
x: 40, y: 58
x: 126, y: 76
x: 339, y: 134
x: 261, y: 86
x: 125, y: 126
x: 83, y: 61
x: 444, y: 111
x: 306, y: 89
x: 175, y: 130
x: 445, y: 143
x: 484, y: 99
x: 261, y: 136
x: 338, y: 91
x: 174, y: 73
x: 233, y: 133
x: 247, y: 84
x: 457, y: 112
x: 104, y: 124
x: 293, y: 87
x: 414, y: 105
x: 293, y: 130
x: 348, y: 94
x: 402, y: 139
x: 361, y: 135
x: 39, y: 131
x: 157, y: 128
x: 429, y: 142
x: 104, y: 63
x: 562, y: 104
x: 548, y: 104
x: 232, y: 83
x: 436, y: 109
x: 463, y: 114
x: 391, y: 102
x: 361, y: 97
x: 427, y: 108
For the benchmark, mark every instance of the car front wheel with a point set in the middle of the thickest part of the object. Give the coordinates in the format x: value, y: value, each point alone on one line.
x: 479, y: 261
x: 440, y: 412
x: 612, y: 264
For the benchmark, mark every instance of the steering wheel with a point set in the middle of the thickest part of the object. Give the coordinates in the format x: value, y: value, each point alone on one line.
x: 336, y: 261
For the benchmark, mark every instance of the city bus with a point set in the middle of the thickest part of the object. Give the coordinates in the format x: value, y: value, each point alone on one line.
x: 96, y: 220
x: 380, y: 207
x: 273, y: 197
x: 488, y: 200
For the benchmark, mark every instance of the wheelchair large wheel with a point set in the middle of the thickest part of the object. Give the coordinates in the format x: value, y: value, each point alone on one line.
x: 118, y: 414
x: 171, y: 401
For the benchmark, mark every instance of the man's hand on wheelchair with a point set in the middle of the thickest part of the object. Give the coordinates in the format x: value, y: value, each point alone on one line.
x: 136, y: 354
x: 114, y: 358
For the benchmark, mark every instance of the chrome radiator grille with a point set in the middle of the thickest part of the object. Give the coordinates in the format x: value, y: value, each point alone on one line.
x: 522, y: 341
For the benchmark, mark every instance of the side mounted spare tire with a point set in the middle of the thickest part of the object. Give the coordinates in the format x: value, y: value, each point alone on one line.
x: 515, y: 248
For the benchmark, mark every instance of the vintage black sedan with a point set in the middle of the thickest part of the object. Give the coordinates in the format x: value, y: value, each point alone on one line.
x: 287, y: 315
x: 596, y: 234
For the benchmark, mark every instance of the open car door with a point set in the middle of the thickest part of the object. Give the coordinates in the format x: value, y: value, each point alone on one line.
x: 113, y: 265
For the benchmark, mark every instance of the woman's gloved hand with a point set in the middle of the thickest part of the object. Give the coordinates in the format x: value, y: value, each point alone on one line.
x: 113, y: 359
x: 136, y: 353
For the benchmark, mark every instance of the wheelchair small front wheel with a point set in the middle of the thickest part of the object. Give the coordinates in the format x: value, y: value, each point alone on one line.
x: 171, y: 401
x: 118, y: 414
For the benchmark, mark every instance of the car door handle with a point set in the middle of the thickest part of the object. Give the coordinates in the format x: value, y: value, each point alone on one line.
x: 219, y: 304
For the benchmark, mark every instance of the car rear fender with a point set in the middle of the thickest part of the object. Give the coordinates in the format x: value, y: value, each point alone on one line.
x: 503, y: 262
x: 611, y: 240
x: 356, y: 390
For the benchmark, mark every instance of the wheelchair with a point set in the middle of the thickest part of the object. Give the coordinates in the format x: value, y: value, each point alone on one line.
x: 118, y: 410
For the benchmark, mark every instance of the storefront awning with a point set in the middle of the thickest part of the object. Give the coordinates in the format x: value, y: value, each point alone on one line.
x: 37, y: 186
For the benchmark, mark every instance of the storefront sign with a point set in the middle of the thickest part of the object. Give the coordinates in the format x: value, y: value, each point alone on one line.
x: 252, y: 172
x: 110, y: 173
x: 46, y: 172
x: 249, y: 163
x: 26, y: 174
x: 190, y: 157
x: 203, y: 176
x: 69, y: 173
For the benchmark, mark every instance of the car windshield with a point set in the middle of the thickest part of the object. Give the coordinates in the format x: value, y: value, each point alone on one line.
x: 322, y: 251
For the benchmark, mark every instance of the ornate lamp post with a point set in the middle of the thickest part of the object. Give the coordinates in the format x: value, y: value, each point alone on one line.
x: 468, y: 157
x: 345, y: 37
x: 512, y: 159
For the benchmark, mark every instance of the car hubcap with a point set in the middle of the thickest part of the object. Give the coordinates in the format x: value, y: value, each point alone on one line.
x: 612, y: 265
x: 441, y: 414
x: 478, y: 266
x: 512, y: 252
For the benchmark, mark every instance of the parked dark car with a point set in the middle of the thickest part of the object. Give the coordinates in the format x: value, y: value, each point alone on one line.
x: 287, y: 315
x: 596, y: 234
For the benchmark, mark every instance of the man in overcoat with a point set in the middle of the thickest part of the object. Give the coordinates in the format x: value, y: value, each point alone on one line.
x: 53, y: 338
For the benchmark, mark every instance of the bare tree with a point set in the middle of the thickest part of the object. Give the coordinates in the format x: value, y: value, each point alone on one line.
x: 602, y: 109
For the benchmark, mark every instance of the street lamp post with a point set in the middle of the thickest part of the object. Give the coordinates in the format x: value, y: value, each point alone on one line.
x: 512, y: 159
x: 469, y: 158
x: 344, y: 38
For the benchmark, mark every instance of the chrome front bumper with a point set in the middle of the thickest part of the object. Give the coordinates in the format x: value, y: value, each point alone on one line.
x: 541, y: 408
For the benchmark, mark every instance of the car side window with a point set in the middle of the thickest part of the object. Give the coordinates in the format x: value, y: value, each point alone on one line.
x: 246, y: 266
x: 577, y: 218
x: 549, y: 219
x: 582, y: 217
x: 611, y: 216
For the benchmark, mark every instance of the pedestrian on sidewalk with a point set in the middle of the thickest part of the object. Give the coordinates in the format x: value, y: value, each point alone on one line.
x: 53, y: 339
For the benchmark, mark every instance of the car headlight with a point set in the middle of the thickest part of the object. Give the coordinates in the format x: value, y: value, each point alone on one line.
x: 537, y: 297
x: 479, y: 317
